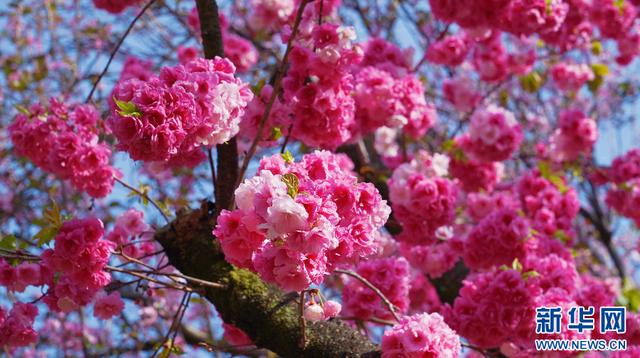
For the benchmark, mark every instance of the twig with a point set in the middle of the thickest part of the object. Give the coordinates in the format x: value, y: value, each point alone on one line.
x: 366, y: 282
x: 115, y: 50
x: 276, y: 88
x: 145, y: 196
x: 213, y: 168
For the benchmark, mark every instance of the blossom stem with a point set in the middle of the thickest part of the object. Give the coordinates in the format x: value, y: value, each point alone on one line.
x: 115, y: 49
x: 145, y: 196
x: 392, y: 308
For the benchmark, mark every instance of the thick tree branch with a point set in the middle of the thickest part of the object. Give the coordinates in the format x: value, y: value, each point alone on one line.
x: 227, y: 152
x: 266, y: 314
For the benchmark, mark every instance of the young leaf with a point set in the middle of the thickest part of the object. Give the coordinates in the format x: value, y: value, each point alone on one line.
x: 291, y: 180
x: 127, y: 108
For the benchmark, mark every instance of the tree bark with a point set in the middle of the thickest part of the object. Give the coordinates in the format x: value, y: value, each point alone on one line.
x: 227, y: 167
x: 268, y: 315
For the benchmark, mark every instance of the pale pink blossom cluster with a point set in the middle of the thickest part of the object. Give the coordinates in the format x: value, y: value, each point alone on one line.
x: 421, y: 335
x: 483, y: 204
x: 383, y: 100
x: 108, y: 305
x: 450, y: 51
x: 386, y: 56
x: 16, y: 326
x: 433, y: 259
x: 497, y: 240
x: 76, y: 261
x: 276, y: 126
x: 295, y: 222
x: 63, y: 140
x: 318, y: 86
x: 269, y: 15
x: 129, y: 226
x: 548, y: 208
x: 237, y: 49
x: 390, y: 275
x: 187, y: 106
x: 493, y: 136
x: 490, y: 59
x: 461, y: 93
x: 570, y: 77
x: 575, y: 136
x: 423, y: 200
x: 115, y: 6
x: 473, y: 175
x: 137, y: 68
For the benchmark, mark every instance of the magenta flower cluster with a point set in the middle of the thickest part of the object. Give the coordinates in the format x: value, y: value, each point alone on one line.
x: 295, y: 222
x: 63, y: 140
x: 171, y: 116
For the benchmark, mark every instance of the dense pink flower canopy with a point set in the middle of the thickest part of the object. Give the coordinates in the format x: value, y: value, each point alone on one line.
x: 321, y: 177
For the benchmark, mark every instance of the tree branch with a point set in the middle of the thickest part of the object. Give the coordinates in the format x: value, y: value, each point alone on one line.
x: 227, y: 152
x: 265, y: 313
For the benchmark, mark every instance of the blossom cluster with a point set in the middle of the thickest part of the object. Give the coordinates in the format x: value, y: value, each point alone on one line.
x: 575, y: 136
x: 295, y: 222
x: 115, y: 6
x: 570, y: 77
x: 77, y: 261
x: 423, y: 200
x: 319, y: 83
x: 497, y: 240
x: 63, y: 140
x: 383, y: 100
x: 624, y: 195
x: 187, y: 106
x: 421, y: 335
x: 549, y: 209
x: 390, y: 275
x: 494, y: 135
x: 501, y: 295
x: 128, y: 225
x: 16, y: 326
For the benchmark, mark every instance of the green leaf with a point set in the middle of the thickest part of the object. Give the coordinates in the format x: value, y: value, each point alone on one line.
x: 127, y: 108
x: 8, y: 242
x: 545, y: 169
x: 562, y: 236
x: 619, y: 4
x: 531, y: 82
x: 51, y: 222
x: 600, y: 69
x: 276, y: 133
x: 448, y: 145
x: 288, y: 157
x: 45, y: 235
x: 291, y: 180
x: 632, y: 296
x: 596, y: 47
x: 547, y: 173
x: 516, y: 265
x: 529, y: 274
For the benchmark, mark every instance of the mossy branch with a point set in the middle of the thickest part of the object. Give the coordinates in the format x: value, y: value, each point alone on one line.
x: 268, y: 315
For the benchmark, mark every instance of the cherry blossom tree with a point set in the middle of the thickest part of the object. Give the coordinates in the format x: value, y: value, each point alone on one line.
x: 315, y: 177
